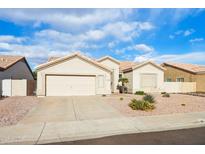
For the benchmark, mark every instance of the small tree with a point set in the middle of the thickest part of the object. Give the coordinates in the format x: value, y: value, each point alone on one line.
x: 123, y: 81
x: 35, y: 74
x: 122, y: 88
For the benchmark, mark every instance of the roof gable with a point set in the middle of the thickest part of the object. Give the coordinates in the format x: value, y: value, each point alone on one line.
x: 139, y: 65
x: 65, y: 58
x: 148, y: 62
x: 110, y: 58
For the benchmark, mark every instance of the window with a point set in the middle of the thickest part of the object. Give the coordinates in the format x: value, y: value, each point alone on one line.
x: 180, y: 80
x: 168, y: 80
x: 100, y: 81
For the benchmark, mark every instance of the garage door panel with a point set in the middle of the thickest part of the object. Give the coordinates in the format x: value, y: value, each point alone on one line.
x: 70, y: 85
x: 148, y: 81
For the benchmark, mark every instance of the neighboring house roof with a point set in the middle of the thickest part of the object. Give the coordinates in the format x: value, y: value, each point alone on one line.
x: 132, y: 66
x: 108, y: 57
x: 192, y: 68
x: 58, y: 60
x: 6, y: 61
x: 52, y: 58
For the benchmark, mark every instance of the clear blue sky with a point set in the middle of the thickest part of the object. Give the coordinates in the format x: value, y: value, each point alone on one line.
x: 126, y: 34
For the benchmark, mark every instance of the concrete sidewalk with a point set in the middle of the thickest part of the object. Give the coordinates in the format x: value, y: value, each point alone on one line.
x: 39, y: 133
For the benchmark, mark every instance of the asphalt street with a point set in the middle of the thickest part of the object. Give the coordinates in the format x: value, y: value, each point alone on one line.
x: 193, y: 136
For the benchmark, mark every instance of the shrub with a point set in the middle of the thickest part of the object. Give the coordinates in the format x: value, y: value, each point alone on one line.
x: 139, y: 93
x: 149, y: 98
x: 163, y: 92
x: 166, y: 95
x: 183, y: 104
x: 141, y: 105
x: 121, y: 98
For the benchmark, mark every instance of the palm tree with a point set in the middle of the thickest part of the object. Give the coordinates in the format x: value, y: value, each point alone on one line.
x: 123, y: 80
x: 122, y: 88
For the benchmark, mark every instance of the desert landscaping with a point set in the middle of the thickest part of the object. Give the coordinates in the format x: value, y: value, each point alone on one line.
x: 176, y: 103
x: 13, y: 109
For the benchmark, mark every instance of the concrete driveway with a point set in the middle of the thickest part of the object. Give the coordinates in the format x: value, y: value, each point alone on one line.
x: 56, y: 109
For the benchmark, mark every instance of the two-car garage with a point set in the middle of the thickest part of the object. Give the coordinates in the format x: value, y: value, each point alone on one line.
x: 70, y: 85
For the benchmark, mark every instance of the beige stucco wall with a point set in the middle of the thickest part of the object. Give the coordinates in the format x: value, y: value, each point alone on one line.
x: 200, y: 83
x: 115, y: 75
x: 129, y: 85
x: 74, y: 66
x: 174, y: 73
x: 179, y: 87
x: 148, y: 69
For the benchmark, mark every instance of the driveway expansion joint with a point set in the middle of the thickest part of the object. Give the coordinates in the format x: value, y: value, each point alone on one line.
x: 44, y: 125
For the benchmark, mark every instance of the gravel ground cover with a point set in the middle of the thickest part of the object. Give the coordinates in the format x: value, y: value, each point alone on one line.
x: 176, y: 103
x: 13, y: 109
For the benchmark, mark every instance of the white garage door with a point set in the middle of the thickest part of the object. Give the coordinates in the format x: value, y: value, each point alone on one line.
x: 148, y: 81
x: 70, y: 85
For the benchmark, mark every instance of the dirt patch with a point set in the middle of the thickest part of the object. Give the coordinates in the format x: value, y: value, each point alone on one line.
x: 13, y: 109
x: 176, y: 103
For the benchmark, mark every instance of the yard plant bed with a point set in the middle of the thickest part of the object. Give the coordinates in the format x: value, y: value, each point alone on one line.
x: 163, y: 105
x: 13, y: 109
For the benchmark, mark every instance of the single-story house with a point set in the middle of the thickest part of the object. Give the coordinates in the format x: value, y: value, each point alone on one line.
x: 14, y: 67
x: 146, y: 76
x: 72, y: 75
x: 178, y: 72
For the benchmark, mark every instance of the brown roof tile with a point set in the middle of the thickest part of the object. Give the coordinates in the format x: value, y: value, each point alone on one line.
x: 124, y: 65
x: 6, y: 61
x: 52, y: 58
x: 188, y: 67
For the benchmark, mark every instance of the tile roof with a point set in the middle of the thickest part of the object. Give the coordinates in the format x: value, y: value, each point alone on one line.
x: 6, y: 61
x: 124, y: 65
x: 188, y: 67
x: 52, y: 58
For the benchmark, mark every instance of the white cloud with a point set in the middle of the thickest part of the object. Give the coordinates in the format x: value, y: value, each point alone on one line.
x: 140, y: 48
x: 192, y: 57
x: 143, y: 47
x: 10, y: 38
x: 182, y: 33
x: 189, y: 32
x: 112, y: 44
x: 64, y: 19
x: 196, y: 40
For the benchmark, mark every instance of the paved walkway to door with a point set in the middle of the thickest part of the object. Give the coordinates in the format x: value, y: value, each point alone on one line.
x: 57, y: 109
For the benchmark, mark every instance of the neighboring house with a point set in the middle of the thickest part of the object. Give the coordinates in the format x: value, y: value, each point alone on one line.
x: 177, y: 72
x: 146, y: 76
x: 114, y: 65
x: 71, y: 75
x: 14, y: 67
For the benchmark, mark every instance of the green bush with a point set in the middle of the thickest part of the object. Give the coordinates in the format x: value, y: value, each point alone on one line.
x: 141, y: 105
x: 121, y: 98
x: 163, y: 93
x: 139, y: 93
x: 166, y: 95
x: 149, y: 98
